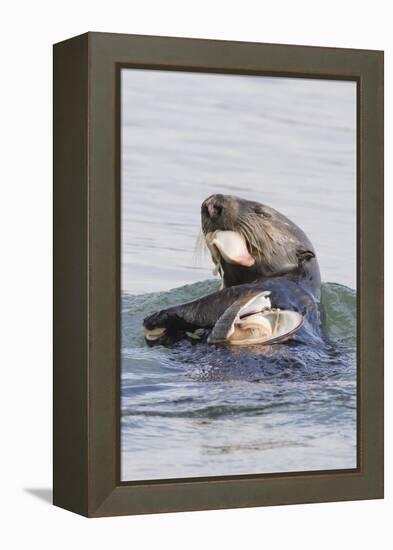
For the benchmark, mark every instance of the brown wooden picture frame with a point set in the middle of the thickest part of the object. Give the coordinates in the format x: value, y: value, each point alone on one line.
x: 86, y: 274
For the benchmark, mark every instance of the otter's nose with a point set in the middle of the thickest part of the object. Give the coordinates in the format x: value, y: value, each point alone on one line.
x: 212, y: 207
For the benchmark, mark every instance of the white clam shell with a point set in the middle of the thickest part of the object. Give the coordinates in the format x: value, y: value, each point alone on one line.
x: 229, y: 245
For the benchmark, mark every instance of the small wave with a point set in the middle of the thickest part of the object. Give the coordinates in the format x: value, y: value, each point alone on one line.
x: 266, y: 445
x: 211, y: 412
x: 339, y: 312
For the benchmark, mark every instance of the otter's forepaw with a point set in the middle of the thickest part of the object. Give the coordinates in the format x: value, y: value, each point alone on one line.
x: 164, y: 327
x: 156, y: 328
x: 153, y: 329
x: 159, y: 319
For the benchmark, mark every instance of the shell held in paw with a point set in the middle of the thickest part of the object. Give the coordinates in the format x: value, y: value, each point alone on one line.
x: 154, y: 333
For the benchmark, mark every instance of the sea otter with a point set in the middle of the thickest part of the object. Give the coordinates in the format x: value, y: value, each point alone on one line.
x: 270, y: 281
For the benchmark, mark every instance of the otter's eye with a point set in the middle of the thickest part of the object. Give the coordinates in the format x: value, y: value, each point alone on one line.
x: 217, y: 210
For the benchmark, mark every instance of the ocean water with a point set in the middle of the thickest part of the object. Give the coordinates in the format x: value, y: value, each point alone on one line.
x: 290, y: 143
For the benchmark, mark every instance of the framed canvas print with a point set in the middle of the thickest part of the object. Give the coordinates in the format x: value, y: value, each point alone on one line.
x: 218, y: 274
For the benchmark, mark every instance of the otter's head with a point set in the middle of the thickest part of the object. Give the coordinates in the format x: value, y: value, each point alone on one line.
x: 275, y: 245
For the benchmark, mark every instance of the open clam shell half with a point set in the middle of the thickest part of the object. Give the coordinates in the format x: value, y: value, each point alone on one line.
x: 230, y: 246
x: 251, y: 320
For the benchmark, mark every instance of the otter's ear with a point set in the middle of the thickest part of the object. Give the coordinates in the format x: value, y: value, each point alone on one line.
x: 262, y: 211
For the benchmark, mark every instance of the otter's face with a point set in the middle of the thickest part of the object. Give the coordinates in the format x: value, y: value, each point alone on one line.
x: 274, y: 243
x: 229, y: 213
x: 229, y: 226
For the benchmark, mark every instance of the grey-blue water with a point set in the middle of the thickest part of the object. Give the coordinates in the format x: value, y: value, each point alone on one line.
x: 290, y: 143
